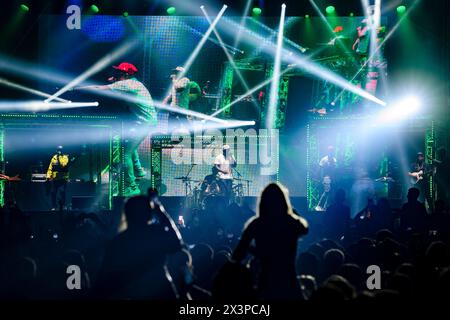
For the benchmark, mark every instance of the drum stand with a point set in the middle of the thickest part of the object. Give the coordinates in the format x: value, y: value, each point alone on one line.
x: 186, y: 180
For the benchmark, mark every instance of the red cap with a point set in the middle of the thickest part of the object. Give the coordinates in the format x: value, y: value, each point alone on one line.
x: 126, y: 67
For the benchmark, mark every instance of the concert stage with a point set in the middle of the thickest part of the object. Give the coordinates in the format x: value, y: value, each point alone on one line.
x: 248, y: 151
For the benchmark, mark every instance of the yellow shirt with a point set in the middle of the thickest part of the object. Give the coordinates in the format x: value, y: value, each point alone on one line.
x: 58, y: 167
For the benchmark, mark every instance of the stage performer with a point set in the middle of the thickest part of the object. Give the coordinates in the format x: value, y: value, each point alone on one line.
x: 224, y: 162
x: 420, y: 178
x: 372, y: 68
x: 179, y: 93
x: 327, y: 171
x: 144, y: 120
x: 58, y: 176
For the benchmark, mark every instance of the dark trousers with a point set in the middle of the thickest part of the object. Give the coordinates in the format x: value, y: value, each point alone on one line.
x: 425, y: 196
x: 58, y: 193
x: 228, y: 188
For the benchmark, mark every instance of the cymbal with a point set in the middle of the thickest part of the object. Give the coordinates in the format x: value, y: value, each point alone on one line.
x: 385, y: 179
x: 186, y: 179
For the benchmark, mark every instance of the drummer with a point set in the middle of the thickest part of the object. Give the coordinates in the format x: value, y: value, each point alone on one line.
x: 209, y: 185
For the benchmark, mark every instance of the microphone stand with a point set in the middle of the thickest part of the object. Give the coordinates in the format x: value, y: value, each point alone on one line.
x: 247, y: 182
x: 186, y: 178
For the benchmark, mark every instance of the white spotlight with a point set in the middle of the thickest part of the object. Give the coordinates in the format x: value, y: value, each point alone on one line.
x: 404, y: 108
x: 273, y: 97
x: 409, y: 104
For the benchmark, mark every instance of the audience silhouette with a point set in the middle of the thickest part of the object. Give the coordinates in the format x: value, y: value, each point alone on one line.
x: 147, y: 258
x: 272, y: 237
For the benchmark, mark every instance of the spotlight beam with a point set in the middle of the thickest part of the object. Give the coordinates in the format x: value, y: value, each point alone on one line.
x: 230, y: 48
x: 98, y: 66
x: 229, y: 57
x: 35, y: 106
x: 33, y: 71
x: 274, y: 33
x: 251, y: 91
x: 29, y: 90
x: 327, y: 75
x: 242, y: 23
x: 133, y: 99
x: 199, y: 46
x: 186, y: 112
x: 273, y: 97
x: 344, y: 48
x: 304, y: 63
x: 375, y: 24
x: 380, y: 45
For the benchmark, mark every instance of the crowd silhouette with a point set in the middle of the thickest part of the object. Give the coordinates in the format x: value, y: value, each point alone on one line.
x: 273, y: 254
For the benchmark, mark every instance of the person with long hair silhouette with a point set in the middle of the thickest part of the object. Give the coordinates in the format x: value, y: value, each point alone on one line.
x: 271, y: 237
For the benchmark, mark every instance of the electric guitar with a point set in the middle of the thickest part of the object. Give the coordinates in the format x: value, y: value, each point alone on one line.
x: 416, y: 177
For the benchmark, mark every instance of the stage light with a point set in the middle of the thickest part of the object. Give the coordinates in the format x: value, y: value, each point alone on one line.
x: 125, y: 14
x: 401, y: 9
x: 37, y: 106
x: 256, y: 11
x: 24, y: 8
x: 242, y: 23
x: 95, y: 9
x: 307, y: 16
x: 352, y: 14
x: 400, y: 110
x: 330, y: 9
x: 410, y: 103
x: 274, y: 88
x: 171, y: 11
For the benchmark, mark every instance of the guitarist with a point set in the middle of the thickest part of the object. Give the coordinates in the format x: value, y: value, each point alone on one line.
x: 419, y: 177
x: 327, y: 166
x: 58, y: 176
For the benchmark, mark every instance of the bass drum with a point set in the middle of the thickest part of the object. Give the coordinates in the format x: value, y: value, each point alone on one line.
x: 212, y: 193
x: 212, y: 202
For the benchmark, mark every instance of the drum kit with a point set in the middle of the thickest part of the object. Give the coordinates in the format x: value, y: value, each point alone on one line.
x: 211, y: 191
